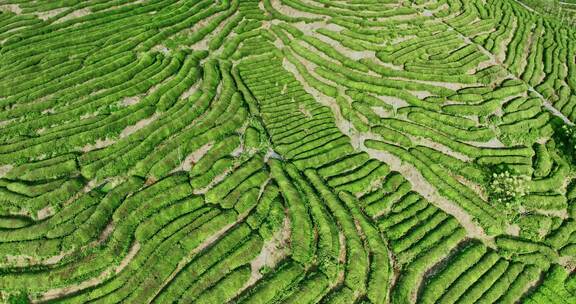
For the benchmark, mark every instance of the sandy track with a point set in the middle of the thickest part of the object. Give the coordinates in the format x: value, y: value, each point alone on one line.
x: 419, y: 183
x: 61, y: 292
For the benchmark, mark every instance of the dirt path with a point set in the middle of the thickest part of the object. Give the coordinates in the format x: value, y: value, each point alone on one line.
x: 5, y: 169
x: 192, y: 254
x: 61, y: 292
x: 220, y: 177
x: 424, y: 188
x: 29, y: 261
x: 309, y: 29
x: 341, y: 123
x: 273, y: 251
x: 491, y: 144
x: 290, y: 11
x: 526, y: 7
x: 203, y: 44
x: 137, y: 126
x: 426, y: 142
x: 194, y: 157
x: 419, y: 183
x: 49, y: 14
x: 103, y: 143
x: 494, y: 58
x: 99, y: 144
x: 14, y: 8
x: 75, y: 14
x: 130, y: 101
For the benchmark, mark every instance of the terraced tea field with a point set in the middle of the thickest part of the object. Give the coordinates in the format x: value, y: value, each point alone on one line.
x: 286, y: 151
x: 561, y: 10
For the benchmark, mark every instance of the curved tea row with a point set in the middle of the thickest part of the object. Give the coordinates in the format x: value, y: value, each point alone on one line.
x: 298, y: 151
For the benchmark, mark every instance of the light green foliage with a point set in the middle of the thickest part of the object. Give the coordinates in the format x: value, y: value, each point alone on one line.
x: 287, y: 151
x: 508, y: 189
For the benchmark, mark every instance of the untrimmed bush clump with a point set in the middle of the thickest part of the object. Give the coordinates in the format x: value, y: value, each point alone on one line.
x: 509, y: 189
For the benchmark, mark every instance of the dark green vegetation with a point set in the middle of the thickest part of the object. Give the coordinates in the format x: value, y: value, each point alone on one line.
x: 286, y: 151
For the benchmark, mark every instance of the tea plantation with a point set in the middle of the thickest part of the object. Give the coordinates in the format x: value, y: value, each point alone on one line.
x: 287, y: 151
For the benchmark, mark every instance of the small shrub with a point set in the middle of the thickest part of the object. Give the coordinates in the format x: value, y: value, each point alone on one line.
x: 565, y: 137
x: 265, y: 270
x: 507, y: 188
